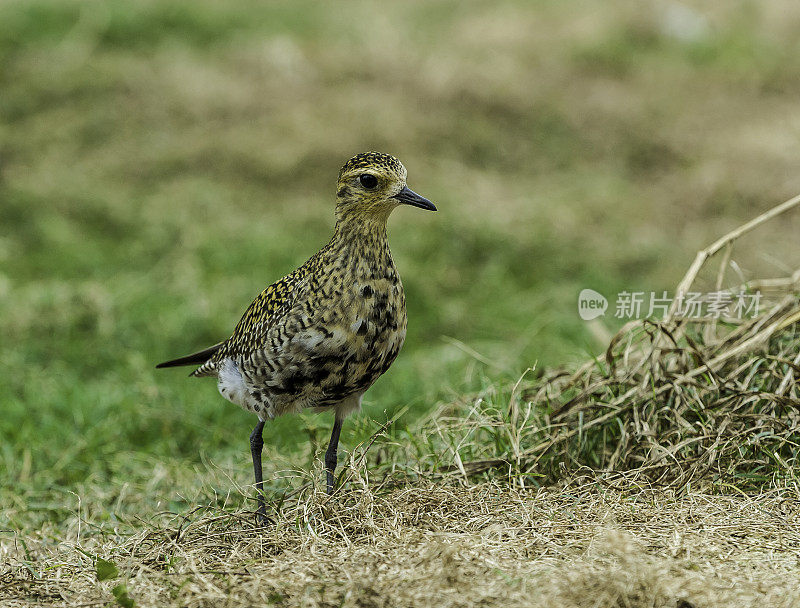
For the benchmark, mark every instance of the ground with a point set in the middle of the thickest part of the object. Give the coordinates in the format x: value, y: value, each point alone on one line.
x: 440, y: 545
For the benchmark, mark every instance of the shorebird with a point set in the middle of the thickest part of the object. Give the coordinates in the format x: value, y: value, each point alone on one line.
x: 322, y: 335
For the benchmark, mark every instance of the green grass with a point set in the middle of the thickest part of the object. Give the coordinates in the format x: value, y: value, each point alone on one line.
x: 161, y: 162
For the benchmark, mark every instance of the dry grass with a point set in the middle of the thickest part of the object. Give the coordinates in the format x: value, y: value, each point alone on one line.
x: 424, y: 545
x: 674, y: 459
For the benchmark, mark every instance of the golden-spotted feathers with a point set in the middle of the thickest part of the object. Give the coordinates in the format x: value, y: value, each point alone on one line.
x: 321, y: 335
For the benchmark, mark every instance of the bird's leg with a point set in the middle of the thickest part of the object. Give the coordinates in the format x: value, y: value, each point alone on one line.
x: 330, y: 455
x: 256, y: 444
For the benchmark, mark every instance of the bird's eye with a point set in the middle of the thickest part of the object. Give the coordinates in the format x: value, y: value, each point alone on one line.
x: 368, y: 180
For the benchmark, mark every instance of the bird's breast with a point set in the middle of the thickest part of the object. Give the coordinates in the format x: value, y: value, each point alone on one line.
x: 357, y: 332
x: 377, y: 312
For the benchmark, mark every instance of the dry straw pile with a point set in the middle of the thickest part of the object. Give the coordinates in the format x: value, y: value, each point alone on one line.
x: 662, y: 474
x: 691, y: 403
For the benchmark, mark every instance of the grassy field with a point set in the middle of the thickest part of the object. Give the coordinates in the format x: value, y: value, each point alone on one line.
x: 161, y: 162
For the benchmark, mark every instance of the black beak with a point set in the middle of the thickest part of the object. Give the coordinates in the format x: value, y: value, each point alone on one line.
x: 408, y: 197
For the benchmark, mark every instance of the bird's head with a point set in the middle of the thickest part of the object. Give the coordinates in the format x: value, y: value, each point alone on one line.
x: 371, y: 185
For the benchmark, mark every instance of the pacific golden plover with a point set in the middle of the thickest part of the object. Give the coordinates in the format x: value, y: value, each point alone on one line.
x: 320, y: 336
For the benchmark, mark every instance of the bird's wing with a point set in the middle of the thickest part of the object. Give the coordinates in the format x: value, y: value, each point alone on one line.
x: 266, y: 310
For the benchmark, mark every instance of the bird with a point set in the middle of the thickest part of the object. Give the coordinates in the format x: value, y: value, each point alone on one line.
x: 319, y: 337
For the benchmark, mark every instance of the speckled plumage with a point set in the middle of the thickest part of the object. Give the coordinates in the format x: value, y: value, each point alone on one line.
x: 320, y: 336
x: 323, y: 333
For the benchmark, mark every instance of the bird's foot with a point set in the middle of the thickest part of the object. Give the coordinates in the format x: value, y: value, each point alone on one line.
x: 330, y: 485
x: 262, y: 519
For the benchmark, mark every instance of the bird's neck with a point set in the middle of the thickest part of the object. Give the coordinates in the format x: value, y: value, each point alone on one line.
x: 367, y: 233
x: 360, y: 245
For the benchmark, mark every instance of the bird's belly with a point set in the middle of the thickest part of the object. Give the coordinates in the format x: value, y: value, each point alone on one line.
x: 351, y: 356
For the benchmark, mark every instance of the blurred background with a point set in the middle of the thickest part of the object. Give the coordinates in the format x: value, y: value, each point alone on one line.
x: 161, y: 162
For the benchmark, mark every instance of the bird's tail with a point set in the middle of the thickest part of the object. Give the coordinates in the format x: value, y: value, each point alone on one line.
x: 197, y: 358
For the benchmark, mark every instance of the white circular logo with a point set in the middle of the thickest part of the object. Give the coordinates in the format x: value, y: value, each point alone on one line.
x: 591, y: 304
